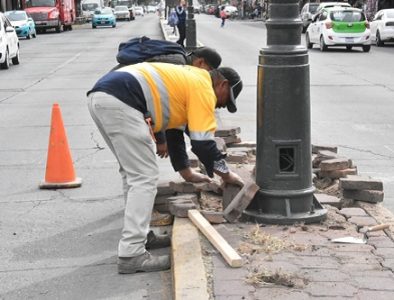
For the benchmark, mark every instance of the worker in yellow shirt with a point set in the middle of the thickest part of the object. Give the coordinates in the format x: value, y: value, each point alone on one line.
x: 132, y: 107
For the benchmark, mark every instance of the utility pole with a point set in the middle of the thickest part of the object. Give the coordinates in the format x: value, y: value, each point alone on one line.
x: 191, y: 34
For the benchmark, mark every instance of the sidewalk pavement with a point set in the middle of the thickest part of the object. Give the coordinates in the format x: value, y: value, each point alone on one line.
x: 288, y: 262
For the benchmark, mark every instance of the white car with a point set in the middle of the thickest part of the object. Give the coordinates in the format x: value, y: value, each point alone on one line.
x: 382, y: 27
x: 231, y: 11
x: 331, y: 4
x: 138, y: 11
x: 121, y: 12
x: 151, y: 9
x: 9, y: 43
x: 339, y: 26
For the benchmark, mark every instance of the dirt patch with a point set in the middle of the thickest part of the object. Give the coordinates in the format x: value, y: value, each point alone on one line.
x: 259, y: 241
x: 262, y: 277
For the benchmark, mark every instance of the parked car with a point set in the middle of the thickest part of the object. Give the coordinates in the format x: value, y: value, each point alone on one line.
x: 122, y: 12
x: 138, y: 11
x: 339, y: 26
x: 231, y: 11
x: 307, y: 13
x: 103, y: 17
x: 9, y: 43
x: 382, y: 27
x: 331, y: 4
x: 22, y: 22
x: 151, y: 9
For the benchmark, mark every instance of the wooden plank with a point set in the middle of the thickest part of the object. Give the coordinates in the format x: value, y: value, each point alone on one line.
x: 229, y: 254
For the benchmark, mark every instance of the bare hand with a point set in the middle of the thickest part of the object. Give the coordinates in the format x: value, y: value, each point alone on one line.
x: 161, y: 150
x: 233, y: 178
x: 190, y: 175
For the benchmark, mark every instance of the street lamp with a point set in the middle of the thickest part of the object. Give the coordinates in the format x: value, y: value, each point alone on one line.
x: 191, y: 34
x: 283, y: 160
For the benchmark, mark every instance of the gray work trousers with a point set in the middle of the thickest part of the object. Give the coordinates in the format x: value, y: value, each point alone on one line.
x: 127, y: 135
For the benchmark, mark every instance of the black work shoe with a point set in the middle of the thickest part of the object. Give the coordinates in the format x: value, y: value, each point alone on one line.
x: 143, y: 263
x: 155, y: 241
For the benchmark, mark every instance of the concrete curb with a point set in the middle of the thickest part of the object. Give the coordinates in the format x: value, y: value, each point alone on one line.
x: 188, y: 270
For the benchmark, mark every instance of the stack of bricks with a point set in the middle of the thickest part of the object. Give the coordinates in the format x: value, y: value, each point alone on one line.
x: 362, y: 188
x: 238, y: 152
x: 176, y: 198
x: 327, y: 163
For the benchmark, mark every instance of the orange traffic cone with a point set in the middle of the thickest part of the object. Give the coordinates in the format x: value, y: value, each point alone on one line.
x: 60, y: 170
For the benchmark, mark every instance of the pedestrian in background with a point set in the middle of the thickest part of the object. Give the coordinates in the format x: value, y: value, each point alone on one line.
x: 181, y: 13
x: 223, y: 16
x: 129, y: 105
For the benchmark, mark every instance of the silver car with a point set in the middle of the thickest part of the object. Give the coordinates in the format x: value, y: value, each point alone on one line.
x: 121, y: 12
x: 9, y: 43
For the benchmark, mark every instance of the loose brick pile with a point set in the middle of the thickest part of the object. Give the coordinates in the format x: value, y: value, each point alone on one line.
x: 334, y: 176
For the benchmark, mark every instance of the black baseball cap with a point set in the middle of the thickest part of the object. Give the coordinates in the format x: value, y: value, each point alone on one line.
x: 212, y: 58
x: 235, y: 86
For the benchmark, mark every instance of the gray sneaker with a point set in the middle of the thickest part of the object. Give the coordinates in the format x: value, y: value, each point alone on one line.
x: 155, y: 241
x: 143, y: 263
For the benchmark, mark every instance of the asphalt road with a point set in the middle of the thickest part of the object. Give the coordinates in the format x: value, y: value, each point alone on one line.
x: 352, y: 95
x: 63, y: 244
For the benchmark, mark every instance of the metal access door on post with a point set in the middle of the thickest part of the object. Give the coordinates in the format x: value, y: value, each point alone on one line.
x: 283, y: 160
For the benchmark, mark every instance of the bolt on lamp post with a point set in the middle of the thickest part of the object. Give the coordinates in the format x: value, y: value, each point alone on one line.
x: 191, y: 34
x: 283, y: 160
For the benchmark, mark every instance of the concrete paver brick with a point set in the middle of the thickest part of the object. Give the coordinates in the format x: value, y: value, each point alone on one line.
x: 241, y: 201
x: 356, y: 258
x: 164, y: 189
x: 362, y: 221
x: 338, y: 248
x: 327, y: 275
x: 238, y: 287
x: 334, y: 164
x: 352, y: 211
x: 323, y: 289
x: 317, y: 148
x: 237, y: 157
x: 278, y: 293
x: 378, y: 295
x: 183, y: 187
x: 358, y: 267
x: 213, y: 217
x: 229, y: 140
x: 316, y: 262
x: 229, y: 193
x: 388, y: 263
x: 336, y: 174
x: 364, y: 195
x: 360, y: 183
x: 179, y: 208
x: 384, y: 252
x: 374, y: 283
x: 381, y: 242
x: 329, y: 199
x: 224, y: 131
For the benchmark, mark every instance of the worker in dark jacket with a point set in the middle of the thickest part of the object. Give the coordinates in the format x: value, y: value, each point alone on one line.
x: 132, y: 103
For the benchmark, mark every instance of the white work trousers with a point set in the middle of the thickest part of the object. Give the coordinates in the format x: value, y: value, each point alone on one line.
x: 127, y: 135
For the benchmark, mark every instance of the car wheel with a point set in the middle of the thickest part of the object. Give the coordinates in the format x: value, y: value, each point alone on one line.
x: 34, y: 34
x: 70, y: 27
x: 379, y: 42
x: 113, y: 26
x: 349, y: 48
x: 93, y: 26
x: 6, y: 63
x: 303, y: 29
x: 309, y: 45
x: 58, y: 28
x: 323, y: 46
x: 28, y: 36
x: 366, y: 48
x: 15, y: 60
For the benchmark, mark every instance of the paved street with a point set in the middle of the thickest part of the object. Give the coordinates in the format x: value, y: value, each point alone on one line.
x: 62, y: 244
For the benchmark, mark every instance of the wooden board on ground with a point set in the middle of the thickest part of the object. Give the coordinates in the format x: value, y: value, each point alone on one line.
x: 229, y: 254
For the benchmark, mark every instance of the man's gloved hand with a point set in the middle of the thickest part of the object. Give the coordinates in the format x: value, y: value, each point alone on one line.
x: 161, y: 150
x: 192, y: 176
